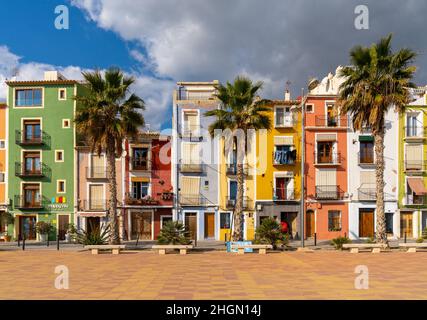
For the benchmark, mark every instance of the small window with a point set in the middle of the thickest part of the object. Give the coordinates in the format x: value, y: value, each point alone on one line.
x: 334, y: 220
x: 2, y: 144
x: 62, y: 94
x: 65, y: 123
x: 389, y: 222
x: 59, y: 156
x: 60, y: 186
x: 309, y: 108
x: 225, y: 220
x: 2, y: 177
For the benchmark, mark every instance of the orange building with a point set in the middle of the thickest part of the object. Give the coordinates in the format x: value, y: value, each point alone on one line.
x: 326, y: 204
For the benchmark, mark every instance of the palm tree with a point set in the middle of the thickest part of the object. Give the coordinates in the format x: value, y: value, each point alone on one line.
x: 108, y: 113
x: 240, y: 111
x: 376, y: 80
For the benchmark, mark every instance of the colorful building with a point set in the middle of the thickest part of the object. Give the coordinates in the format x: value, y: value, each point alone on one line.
x: 278, y: 178
x: 3, y: 171
x: 147, y: 186
x: 412, y: 170
x: 195, y: 162
x: 41, y: 158
x: 326, y: 169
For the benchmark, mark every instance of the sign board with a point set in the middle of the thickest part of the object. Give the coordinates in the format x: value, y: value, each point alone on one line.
x: 230, y: 243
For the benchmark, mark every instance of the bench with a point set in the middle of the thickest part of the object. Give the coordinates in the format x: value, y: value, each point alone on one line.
x: 114, y: 248
x: 262, y: 248
x: 412, y: 247
x: 354, y: 247
x: 181, y: 247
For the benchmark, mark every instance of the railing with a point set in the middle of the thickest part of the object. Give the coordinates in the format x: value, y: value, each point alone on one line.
x: 191, y: 95
x: 283, y: 194
x: 414, y: 132
x: 140, y: 164
x: 230, y: 202
x: 331, y: 122
x: 191, y: 200
x: 92, y: 205
x: 287, y: 122
x: 284, y: 157
x: 191, y: 167
x: 329, y: 193
x: 366, y: 157
x: 191, y: 131
x: 40, y: 139
x: 367, y: 194
x: 23, y: 172
x: 415, y: 165
x: 131, y: 200
x: 415, y: 200
x: 231, y: 169
x: 20, y: 202
x: 332, y: 158
x: 96, y: 173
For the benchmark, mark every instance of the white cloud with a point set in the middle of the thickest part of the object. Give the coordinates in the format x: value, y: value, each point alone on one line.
x: 156, y: 93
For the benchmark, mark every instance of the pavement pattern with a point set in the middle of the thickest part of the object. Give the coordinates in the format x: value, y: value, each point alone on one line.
x: 212, y: 275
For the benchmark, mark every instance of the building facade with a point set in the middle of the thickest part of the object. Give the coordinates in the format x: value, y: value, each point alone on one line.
x: 195, y: 177
x: 41, y: 159
x: 3, y: 172
x: 412, y: 170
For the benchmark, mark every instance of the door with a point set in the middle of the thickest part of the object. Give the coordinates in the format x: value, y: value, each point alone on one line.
x: 291, y: 219
x: 281, y: 188
x: 142, y: 225
x: 366, y: 224
x: 93, y: 224
x: 191, y: 224
x: 63, y: 221
x: 324, y: 152
x: 27, y: 227
x: 209, y: 225
x: 406, y: 225
x: 31, y: 195
x: 96, y: 197
x: 32, y: 163
x: 309, y: 224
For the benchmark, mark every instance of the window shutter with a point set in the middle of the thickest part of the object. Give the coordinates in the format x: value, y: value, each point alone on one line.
x: 367, y: 178
x: 414, y: 152
x: 190, y: 186
x: 284, y: 140
x: 326, y: 137
x: 326, y: 177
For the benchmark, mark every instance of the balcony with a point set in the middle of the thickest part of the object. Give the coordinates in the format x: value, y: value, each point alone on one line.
x: 414, y: 133
x: 191, y: 200
x: 329, y: 193
x: 192, y: 132
x: 414, y: 167
x: 283, y: 194
x: 286, y: 122
x: 195, y: 95
x: 145, y: 201
x: 327, y: 159
x: 20, y: 202
x: 191, y: 168
x: 34, y: 140
x: 367, y: 194
x: 331, y: 122
x: 23, y: 172
x: 366, y: 158
x: 284, y: 158
x: 92, y: 205
x: 140, y: 164
x: 231, y: 202
x: 96, y: 173
x: 415, y: 200
x: 231, y: 169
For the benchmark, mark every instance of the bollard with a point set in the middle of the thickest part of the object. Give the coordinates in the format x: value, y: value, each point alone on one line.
x: 19, y: 240
x: 405, y: 237
x: 23, y: 243
x: 345, y: 234
x: 57, y: 242
x: 47, y: 241
x: 137, y: 240
x: 195, y: 240
x: 226, y: 235
x: 315, y: 239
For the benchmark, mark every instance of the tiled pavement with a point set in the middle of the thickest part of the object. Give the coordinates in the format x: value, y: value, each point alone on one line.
x: 212, y: 275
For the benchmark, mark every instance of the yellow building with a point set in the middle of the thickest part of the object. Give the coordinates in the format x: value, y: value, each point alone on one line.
x: 278, y: 178
x: 3, y: 157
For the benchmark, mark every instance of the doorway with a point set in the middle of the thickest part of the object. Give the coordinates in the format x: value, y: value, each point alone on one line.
x: 27, y: 227
x: 366, y: 223
x: 309, y: 224
x: 291, y: 220
x: 209, y: 225
x: 406, y: 225
x: 63, y: 221
x: 191, y: 224
x: 93, y: 224
x: 142, y: 225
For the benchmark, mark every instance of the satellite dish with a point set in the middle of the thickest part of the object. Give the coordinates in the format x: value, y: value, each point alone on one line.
x: 313, y: 83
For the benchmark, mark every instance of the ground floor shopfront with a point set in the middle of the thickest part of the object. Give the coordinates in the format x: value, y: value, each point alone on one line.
x: 145, y: 223
x: 412, y: 223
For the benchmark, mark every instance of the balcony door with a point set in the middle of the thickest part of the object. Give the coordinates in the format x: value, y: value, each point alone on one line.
x: 96, y: 197
x: 32, y: 163
x: 32, y: 130
x: 27, y: 227
x: 412, y: 127
x: 233, y: 192
x: 140, y: 158
x: 332, y: 118
x: 98, y: 166
x: 31, y: 195
x: 324, y: 152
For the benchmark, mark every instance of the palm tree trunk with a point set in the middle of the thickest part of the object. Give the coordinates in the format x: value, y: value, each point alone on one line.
x: 381, y: 234
x: 238, y: 211
x: 112, y: 186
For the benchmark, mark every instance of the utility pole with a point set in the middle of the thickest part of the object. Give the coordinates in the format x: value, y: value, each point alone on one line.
x: 302, y: 166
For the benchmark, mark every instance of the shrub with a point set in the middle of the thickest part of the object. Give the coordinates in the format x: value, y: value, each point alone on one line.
x: 338, y: 242
x: 424, y: 233
x: 173, y: 232
x: 270, y: 232
x: 43, y: 227
x: 420, y: 240
x: 93, y: 237
x: 370, y: 240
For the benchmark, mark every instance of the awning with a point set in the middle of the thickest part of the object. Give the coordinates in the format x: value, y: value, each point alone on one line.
x: 417, y: 186
x: 326, y: 137
x: 92, y: 214
x: 140, y: 179
x: 366, y: 138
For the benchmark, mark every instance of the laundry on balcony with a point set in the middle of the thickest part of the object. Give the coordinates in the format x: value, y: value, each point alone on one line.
x: 285, y: 157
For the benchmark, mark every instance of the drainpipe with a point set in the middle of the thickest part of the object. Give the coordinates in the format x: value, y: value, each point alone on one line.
x: 302, y: 166
x: 176, y: 160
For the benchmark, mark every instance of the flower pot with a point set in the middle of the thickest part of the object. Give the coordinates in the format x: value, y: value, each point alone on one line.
x: 43, y: 237
x: 67, y: 237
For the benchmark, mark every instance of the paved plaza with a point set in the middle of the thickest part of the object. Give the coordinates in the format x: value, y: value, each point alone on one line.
x: 212, y: 275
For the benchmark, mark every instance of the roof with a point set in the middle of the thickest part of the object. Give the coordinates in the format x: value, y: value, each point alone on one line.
x: 180, y: 83
x: 40, y: 83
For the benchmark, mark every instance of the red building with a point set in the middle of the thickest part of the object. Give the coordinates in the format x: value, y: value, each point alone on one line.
x: 147, y: 188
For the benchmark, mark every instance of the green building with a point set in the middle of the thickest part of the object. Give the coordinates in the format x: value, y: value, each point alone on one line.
x: 413, y: 168
x: 41, y: 157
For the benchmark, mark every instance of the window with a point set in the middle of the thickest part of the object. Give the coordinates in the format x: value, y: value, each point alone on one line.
x: 3, y: 221
x: 32, y: 131
x: 139, y: 189
x: 284, y: 155
x: 324, y: 152
x: 59, y: 155
x: 165, y: 220
x: 62, y: 94
x: 225, y: 220
x: 413, y: 128
x: 32, y: 165
x: 2, y: 177
x: 96, y: 197
x: 65, y: 123
x: 31, y: 193
x: 389, y: 222
x: 332, y: 117
x: 140, y: 158
x: 191, y: 120
x: 284, y: 117
x: 284, y: 188
x: 60, y: 186
x: 28, y: 98
x: 309, y: 108
x: 334, y: 220
x: 2, y: 144
x: 366, y: 155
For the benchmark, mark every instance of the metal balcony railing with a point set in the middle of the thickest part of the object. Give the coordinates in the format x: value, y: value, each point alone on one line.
x: 140, y: 164
x: 416, y: 200
x: 329, y: 193
x: 230, y: 202
x: 21, y: 202
x: 96, y: 173
x: 331, y: 122
x: 40, y: 171
x: 191, y: 200
x: 192, y: 95
x: 367, y: 194
x: 31, y: 140
x: 193, y: 132
x: 332, y: 158
x: 231, y: 169
x: 415, y: 165
x: 414, y: 132
x: 283, y: 194
x: 93, y: 205
x: 285, y: 122
x: 191, y: 167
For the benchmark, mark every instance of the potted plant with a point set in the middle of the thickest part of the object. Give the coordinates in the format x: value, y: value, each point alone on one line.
x: 43, y: 228
x: 9, y: 219
x: 71, y: 232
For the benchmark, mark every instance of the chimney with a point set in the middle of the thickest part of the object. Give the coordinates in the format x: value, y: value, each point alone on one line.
x: 287, y: 95
x: 53, y: 76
